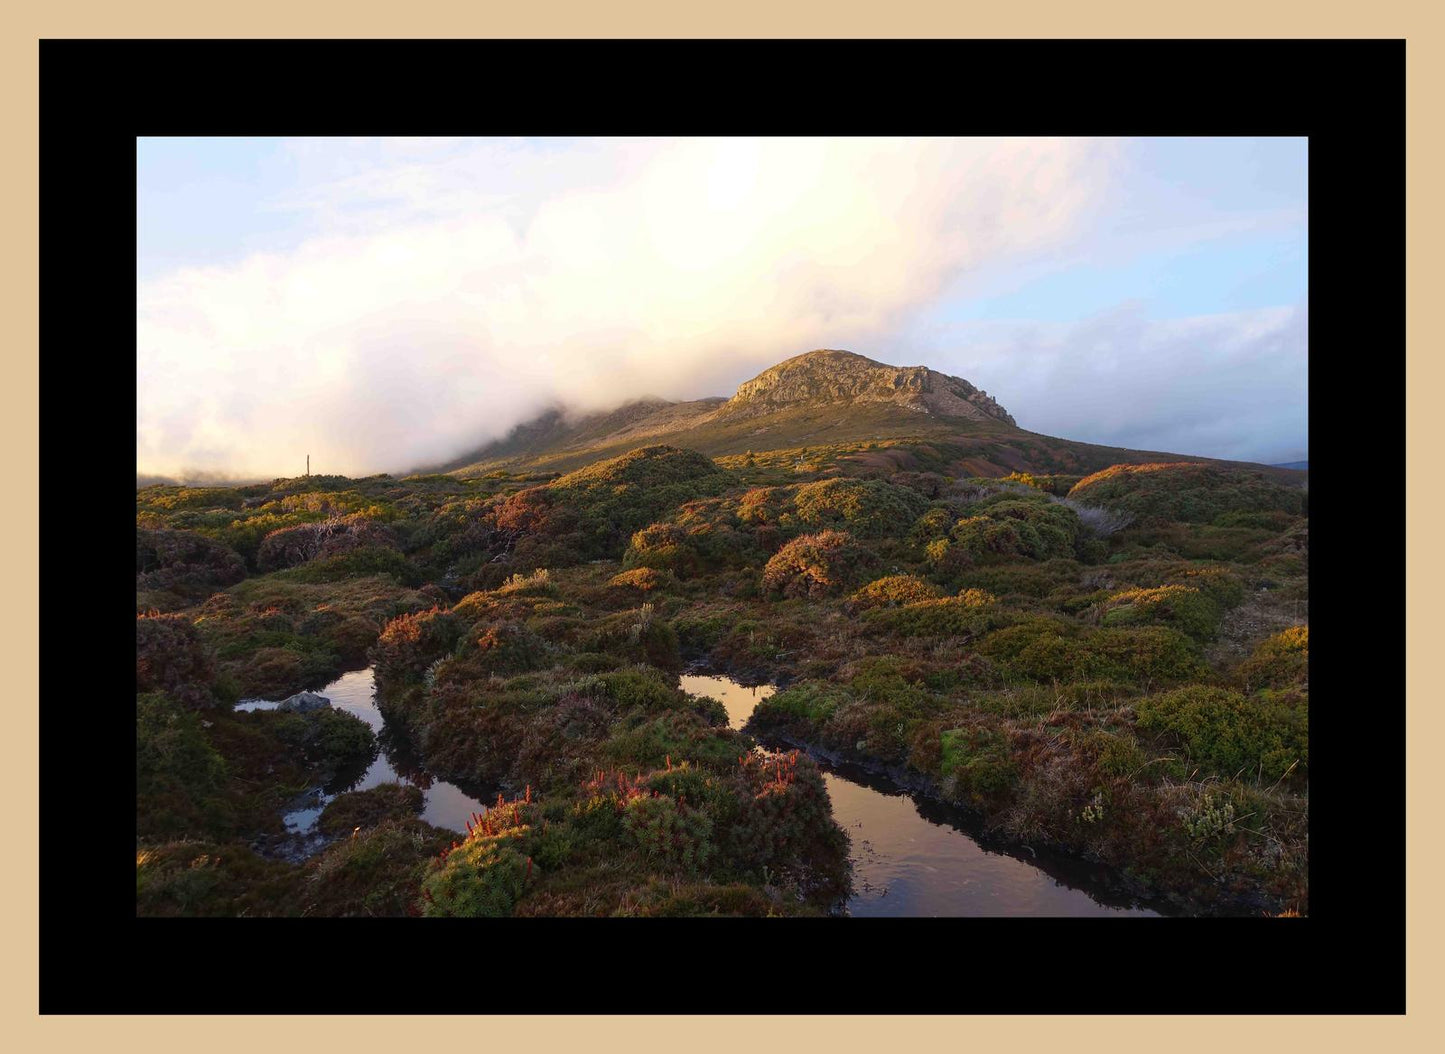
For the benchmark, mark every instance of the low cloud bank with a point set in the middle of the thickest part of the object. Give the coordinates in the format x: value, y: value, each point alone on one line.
x: 437, y: 307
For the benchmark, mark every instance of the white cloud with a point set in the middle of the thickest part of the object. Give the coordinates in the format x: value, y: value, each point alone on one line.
x: 455, y: 288
x: 1229, y: 386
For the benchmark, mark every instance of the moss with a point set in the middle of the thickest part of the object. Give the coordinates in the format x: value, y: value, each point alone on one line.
x: 976, y: 762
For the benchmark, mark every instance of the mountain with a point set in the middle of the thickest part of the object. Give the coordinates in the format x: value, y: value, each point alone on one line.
x: 830, y: 378
x: 1301, y: 466
x: 822, y: 399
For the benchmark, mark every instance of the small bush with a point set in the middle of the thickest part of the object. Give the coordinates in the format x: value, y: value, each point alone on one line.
x: 1148, y: 655
x: 668, y: 833
x: 662, y: 547
x: 1280, y: 661
x: 290, y: 546
x: 1017, y: 529
x: 484, y: 877
x: 960, y: 616
x: 815, y: 565
x: 375, y: 874
x: 642, y: 579
x: 892, y: 591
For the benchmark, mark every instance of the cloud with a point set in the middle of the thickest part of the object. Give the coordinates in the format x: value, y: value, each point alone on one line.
x: 1229, y: 386
x: 452, y: 289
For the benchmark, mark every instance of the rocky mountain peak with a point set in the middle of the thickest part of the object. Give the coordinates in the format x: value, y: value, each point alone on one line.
x: 833, y: 377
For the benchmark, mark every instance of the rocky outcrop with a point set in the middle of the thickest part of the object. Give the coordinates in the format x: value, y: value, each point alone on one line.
x: 831, y: 377
x: 303, y: 703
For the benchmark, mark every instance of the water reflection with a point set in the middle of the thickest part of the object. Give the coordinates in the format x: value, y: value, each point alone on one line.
x: 738, y: 699
x: 913, y: 858
x: 446, y: 804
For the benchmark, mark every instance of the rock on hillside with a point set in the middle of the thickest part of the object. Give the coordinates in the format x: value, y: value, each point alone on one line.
x: 834, y: 377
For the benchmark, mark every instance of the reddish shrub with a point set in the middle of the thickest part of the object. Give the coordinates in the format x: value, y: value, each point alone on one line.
x: 171, y: 657
x: 411, y: 643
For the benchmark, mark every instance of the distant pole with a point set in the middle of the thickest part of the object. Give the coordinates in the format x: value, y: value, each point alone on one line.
x: 308, y: 466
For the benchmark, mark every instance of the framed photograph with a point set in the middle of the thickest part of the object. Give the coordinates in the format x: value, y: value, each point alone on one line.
x: 789, y: 484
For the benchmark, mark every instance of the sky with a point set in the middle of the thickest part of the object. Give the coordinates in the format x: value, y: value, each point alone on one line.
x: 385, y: 304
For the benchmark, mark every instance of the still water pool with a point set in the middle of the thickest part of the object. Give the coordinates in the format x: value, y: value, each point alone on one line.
x: 913, y: 857
x: 447, y: 805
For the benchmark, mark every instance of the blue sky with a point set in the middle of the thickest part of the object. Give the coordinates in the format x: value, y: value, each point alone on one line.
x: 1144, y: 293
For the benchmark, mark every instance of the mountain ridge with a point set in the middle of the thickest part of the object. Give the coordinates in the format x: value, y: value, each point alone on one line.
x: 827, y: 397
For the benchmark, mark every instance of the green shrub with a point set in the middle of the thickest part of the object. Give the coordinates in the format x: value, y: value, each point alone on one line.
x: 615, y: 498
x: 1115, y: 755
x: 1148, y: 655
x: 181, y: 779
x: 1186, y: 609
x: 866, y: 508
x: 663, y: 547
x: 642, y: 579
x: 184, y: 561
x: 668, y: 833
x: 1037, y: 650
x: 1017, y: 529
x: 1280, y: 661
x: 808, y: 703
x: 1186, y: 492
x: 960, y: 616
x: 362, y: 562
x: 377, y: 873
x: 1229, y: 734
x: 330, y: 739
x: 171, y: 657
x: 510, y: 647
x: 484, y: 877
